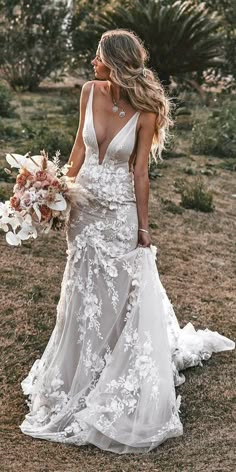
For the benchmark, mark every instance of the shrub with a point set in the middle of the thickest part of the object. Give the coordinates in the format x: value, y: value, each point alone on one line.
x: 5, y: 193
x: 8, y: 131
x: 190, y: 171
x: 26, y: 102
x: 33, y: 41
x: 49, y: 139
x: 6, y: 108
x: 171, y: 206
x: 183, y: 118
x: 217, y: 134
x: 70, y: 104
x: 194, y: 195
x: 229, y: 164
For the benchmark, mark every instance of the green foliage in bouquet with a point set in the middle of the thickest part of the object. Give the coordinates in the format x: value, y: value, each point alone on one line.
x: 180, y: 36
x: 217, y: 133
x: 33, y: 41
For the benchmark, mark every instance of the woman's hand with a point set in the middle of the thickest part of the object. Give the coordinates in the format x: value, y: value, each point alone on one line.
x: 144, y: 239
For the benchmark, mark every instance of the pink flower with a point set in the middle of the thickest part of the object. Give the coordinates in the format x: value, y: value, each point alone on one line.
x: 26, y: 201
x: 37, y: 185
x: 55, y: 183
x: 41, y: 175
x: 45, y: 183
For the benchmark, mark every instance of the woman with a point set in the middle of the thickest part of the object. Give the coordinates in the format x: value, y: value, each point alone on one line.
x: 108, y: 374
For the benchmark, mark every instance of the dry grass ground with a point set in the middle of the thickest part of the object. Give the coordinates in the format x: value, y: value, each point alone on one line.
x: 196, y: 261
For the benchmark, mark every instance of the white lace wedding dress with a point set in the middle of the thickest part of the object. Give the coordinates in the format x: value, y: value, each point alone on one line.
x: 107, y: 376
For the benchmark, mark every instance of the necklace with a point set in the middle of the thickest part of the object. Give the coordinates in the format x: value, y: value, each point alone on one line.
x: 115, y: 107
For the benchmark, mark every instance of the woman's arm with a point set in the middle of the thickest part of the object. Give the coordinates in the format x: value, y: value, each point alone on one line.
x: 141, y: 179
x: 78, y: 151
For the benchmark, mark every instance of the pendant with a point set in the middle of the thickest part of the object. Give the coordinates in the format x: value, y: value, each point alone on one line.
x: 115, y: 108
x: 122, y: 114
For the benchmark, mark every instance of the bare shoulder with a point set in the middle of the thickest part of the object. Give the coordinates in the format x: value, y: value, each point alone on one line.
x: 86, y: 88
x: 148, y: 119
x: 100, y: 87
x: 147, y: 123
x: 85, y: 91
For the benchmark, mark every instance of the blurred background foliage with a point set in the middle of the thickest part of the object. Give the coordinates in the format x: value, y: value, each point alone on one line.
x: 191, y: 44
x: 33, y: 41
x: 189, y: 41
x: 182, y: 38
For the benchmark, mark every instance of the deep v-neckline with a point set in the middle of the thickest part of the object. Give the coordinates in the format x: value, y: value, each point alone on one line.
x: 94, y: 131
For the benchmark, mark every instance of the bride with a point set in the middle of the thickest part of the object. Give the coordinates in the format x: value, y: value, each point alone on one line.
x: 108, y: 374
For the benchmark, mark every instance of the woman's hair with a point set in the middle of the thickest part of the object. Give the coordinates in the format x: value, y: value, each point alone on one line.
x: 124, y: 54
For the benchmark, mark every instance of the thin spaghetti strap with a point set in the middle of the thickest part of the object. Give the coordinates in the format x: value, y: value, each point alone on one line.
x: 89, y: 107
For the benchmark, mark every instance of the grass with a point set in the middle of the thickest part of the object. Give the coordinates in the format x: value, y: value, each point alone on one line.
x: 196, y: 262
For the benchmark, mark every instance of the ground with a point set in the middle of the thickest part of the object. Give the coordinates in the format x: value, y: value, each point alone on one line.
x: 196, y: 262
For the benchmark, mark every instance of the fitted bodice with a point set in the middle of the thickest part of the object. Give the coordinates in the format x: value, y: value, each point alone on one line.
x: 111, y: 180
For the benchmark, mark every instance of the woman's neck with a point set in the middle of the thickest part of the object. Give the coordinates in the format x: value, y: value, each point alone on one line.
x: 117, y: 93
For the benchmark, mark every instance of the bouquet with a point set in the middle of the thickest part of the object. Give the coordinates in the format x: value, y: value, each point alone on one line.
x: 41, y: 198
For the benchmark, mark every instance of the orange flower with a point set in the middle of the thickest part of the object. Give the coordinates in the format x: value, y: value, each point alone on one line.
x: 21, y: 179
x: 25, y: 172
x: 15, y: 202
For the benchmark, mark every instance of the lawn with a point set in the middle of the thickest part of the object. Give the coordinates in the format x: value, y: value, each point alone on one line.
x: 196, y: 261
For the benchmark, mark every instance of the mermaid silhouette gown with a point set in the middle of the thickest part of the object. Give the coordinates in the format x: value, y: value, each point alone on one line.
x: 108, y: 374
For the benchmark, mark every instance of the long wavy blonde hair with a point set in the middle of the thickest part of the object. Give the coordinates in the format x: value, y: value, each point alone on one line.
x: 124, y: 54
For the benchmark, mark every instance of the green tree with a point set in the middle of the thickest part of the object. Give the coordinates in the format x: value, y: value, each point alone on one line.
x: 33, y: 40
x: 85, y: 31
x: 227, y: 11
x: 181, y: 36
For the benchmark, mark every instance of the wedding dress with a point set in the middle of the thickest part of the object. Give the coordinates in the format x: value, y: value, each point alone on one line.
x: 108, y: 374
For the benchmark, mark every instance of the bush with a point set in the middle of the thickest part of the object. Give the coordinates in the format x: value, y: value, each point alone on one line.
x: 51, y: 140
x: 229, y: 164
x: 194, y: 195
x: 33, y: 41
x: 190, y: 171
x: 217, y: 134
x: 171, y: 206
x: 183, y: 118
x: 8, y: 131
x: 5, y: 193
x: 70, y: 103
x: 6, y: 108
